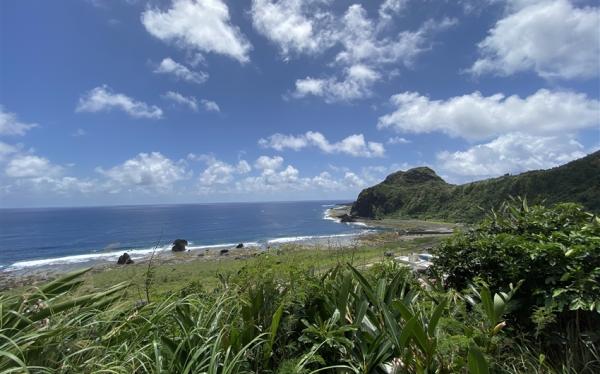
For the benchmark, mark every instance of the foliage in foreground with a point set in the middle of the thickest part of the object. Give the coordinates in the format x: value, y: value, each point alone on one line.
x: 380, y: 319
x: 345, y: 321
x: 554, y: 253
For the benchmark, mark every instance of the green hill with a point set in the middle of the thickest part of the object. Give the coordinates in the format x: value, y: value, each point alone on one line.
x: 421, y: 193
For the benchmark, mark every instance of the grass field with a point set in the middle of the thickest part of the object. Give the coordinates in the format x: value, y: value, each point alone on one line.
x: 170, y: 276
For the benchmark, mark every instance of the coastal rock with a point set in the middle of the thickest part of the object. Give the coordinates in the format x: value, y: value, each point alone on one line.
x: 224, y: 252
x: 241, y: 245
x: 345, y: 218
x: 179, y: 245
x: 124, y: 259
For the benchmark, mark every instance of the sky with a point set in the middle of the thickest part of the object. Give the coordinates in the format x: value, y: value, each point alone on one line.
x: 193, y: 101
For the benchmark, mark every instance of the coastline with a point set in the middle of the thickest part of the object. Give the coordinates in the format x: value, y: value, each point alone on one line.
x: 34, y: 271
x: 37, y: 270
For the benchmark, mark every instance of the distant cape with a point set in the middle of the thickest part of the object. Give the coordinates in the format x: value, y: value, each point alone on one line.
x: 421, y: 193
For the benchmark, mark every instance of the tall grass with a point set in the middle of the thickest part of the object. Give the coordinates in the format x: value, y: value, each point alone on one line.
x: 381, y: 320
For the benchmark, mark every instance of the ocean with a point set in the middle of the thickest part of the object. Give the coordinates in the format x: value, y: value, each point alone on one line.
x: 47, y: 237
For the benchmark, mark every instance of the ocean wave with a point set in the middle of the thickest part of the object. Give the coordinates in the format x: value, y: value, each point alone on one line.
x: 88, y: 257
x: 224, y: 245
x: 291, y: 239
x: 135, y: 254
x: 327, y: 216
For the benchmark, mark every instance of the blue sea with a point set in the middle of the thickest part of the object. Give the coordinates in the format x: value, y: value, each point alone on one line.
x: 34, y: 238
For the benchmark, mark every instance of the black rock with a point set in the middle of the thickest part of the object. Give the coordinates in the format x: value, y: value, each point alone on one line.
x: 241, y: 245
x: 124, y: 259
x: 224, y: 252
x: 179, y: 245
x: 345, y: 218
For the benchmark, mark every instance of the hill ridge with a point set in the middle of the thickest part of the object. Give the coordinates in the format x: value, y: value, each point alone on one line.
x: 420, y: 193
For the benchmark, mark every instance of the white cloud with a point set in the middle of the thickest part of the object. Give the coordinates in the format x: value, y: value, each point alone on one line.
x: 552, y: 37
x: 31, y: 166
x: 10, y: 125
x: 364, y: 43
x: 104, y: 99
x: 169, y: 66
x: 477, y: 117
x: 7, y: 149
x: 219, y: 172
x: 353, y: 180
x: 356, y: 84
x: 268, y: 163
x: 389, y: 8
x: 365, y: 49
x: 243, y: 167
x: 202, y: 25
x: 354, y: 145
x: 398, y: 140
x: 275, y: 180
x: 147, y: 172
x: 224, y: 178
x: 178, y: 98
x: 210, y: 106
x: 511, y: 153
x: 296, y: 26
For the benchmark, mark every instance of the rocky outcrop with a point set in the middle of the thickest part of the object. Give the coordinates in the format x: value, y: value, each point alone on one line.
x: 124, y: 259
x: 224, y: 252
x: 241, y: 245
x: 346, y: 218
x: 179, y: 245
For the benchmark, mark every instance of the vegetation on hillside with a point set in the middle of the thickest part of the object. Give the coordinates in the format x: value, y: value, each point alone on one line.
x: 420, y: 193
x: 478, y: 316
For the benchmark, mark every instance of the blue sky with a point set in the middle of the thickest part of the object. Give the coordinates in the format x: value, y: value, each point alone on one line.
x: 127, y: 102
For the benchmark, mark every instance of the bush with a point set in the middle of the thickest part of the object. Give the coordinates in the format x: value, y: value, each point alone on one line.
x: 554, y: 252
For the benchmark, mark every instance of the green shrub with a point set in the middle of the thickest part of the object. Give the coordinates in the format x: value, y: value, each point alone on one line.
x: 553, y: 252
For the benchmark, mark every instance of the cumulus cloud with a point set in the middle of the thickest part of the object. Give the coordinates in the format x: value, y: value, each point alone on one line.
x: 6, y: 150
x: 31, y: 166
x: 103, y: 98
x: 30, y: 172
x: 202, y: 25
x: 179, y: 71
x: 146, y: 172
x: 389, y: 8
x: 10, y: 125
x: 355, y: 84
x: 398, y: 140
x: 364, y: 47
x: 354, y: 145
x: 553, y: 38
x: 353, y: 180
x: 476, y: 117
x: 296, y: 26
x: 276, y: 180
x: 210, y: 106
x: 268, y: 163
x: 363, y: 42
x: 365, y: 54
x: 219, y: 172
x: 511, y: 153
x: 178, y: 98
x: 272, y: 177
